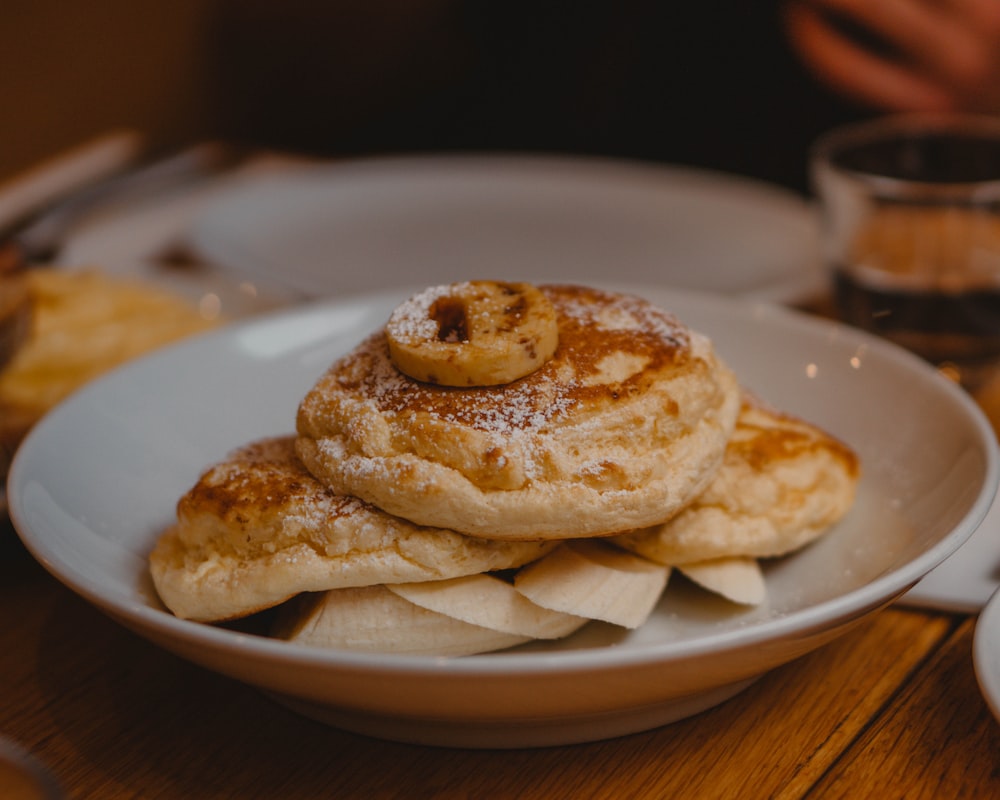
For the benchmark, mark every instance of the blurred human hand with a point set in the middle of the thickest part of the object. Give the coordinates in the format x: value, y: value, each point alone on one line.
x: 903, y: 55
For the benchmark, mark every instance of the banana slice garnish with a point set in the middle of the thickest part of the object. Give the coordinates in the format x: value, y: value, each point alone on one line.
x: 476, y: 333
x: 595, y: 580
x: 738, y: 579
x: 373, y: 619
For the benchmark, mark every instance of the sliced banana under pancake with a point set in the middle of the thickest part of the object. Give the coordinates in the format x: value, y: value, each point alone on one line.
x: 737, y: 578
x: 257, y: 529
x: 490, y: 602
x: 481, y: 613
x: 595, y: 580
x: 373, y: 619
x: 783, y: 483
x: 623, y: 426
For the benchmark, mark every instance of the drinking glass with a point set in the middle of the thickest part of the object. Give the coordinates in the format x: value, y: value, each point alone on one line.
x: 911, y: 234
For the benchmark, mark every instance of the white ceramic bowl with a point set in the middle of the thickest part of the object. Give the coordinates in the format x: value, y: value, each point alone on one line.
x: 97, y: 480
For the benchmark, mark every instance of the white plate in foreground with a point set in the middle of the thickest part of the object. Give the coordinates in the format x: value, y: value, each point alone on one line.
x: 97, y: 481
x: 366, y: 224
x: 986, y: 653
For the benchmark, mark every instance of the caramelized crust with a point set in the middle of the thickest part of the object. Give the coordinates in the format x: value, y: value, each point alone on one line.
x: 783, y: 483
x: 257, y: 528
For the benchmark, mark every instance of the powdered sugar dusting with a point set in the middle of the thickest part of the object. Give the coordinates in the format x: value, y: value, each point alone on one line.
x: 522, y: 405
x: 412, y: 320
x: 265, y: 475
x: 516, y: 417
x: 530, y: 404
x: 624, y: 313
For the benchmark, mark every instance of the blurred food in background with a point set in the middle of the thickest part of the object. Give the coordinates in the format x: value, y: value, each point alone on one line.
x: 82, y: 324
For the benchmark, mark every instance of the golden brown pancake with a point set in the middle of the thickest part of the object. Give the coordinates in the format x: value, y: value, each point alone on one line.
x: 620, y: 429
x: 783, y: 483
x: 257, y: 529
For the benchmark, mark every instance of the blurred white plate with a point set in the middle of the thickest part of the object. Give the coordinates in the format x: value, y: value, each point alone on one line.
x: 373, y: 223
x: 986, y: 653
x: 97, y: 480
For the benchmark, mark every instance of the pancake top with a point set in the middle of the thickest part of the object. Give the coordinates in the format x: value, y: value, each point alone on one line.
x: 610, y: 347
x: 630, y: 400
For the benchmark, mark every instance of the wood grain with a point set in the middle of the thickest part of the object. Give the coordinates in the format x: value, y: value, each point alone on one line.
x: 937, y: 739
x: 892, y: 704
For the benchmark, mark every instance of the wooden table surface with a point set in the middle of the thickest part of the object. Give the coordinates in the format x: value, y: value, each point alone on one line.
x: 891, y: 710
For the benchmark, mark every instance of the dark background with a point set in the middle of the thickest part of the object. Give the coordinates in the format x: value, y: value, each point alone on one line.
x: 710, y: 83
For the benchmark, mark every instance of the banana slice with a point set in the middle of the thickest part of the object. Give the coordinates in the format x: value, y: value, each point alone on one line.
x: 594, y: 580
x: 476, y: 333
x: 372, y: 619
x: 738, y: 579
x: 489, y: 602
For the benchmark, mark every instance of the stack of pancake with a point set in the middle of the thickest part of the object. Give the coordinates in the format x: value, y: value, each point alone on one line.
x: 502, y: 463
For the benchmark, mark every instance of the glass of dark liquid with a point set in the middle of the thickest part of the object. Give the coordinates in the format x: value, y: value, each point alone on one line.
x: 911, y: 232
